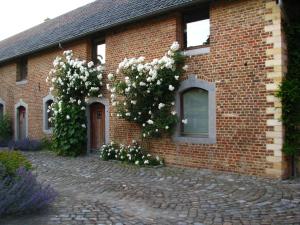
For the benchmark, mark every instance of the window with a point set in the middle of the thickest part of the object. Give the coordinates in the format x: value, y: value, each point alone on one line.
x: 1, y: 110
x: 98, y: 52
x: 196, y: 107
x: 47, y: 114
x: 22, y: 69
x: 196, y: 28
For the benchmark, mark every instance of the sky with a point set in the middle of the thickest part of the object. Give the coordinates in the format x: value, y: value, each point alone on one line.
x: 19, y: 15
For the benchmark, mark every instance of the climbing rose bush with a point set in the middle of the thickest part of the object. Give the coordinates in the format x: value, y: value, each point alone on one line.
x: 72, y: 82
x: 146, y: 95
x: 133, y: 154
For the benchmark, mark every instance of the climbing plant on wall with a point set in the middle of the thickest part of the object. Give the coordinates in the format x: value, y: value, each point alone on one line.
x: 146, y: 93
x: 72, y: 82
x: 290, y: 92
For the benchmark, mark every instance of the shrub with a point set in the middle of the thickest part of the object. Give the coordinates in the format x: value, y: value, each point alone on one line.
x: 11, y: 161
x: 25, y: 145
x: 72, y: 81
x: 146, y: 96
x: 22, y: 193
x: 134, y: 154
x: 5, y: 130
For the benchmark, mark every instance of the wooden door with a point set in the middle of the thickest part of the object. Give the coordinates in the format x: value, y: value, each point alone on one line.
x: 97, y: 123
x: 22, y: 123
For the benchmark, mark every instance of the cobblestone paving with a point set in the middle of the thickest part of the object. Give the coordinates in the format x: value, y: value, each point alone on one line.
x: 97, y: 192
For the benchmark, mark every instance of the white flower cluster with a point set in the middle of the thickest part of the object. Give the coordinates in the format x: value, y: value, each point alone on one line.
x: 147, y: 80
x: 132, y: 154
x: 73, y: 81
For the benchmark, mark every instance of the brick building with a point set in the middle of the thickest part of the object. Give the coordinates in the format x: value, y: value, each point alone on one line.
x: 237, y: 64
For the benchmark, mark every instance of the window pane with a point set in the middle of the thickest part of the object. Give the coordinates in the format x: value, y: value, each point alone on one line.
x: 49, y: 114
x: 198, y: 33
x: 1, y: 111
x: 195, y: 110
x: 101, y: 53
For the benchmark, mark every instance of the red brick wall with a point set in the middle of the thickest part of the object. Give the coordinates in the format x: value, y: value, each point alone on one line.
x: 236, y: 63
x: 36, y: 88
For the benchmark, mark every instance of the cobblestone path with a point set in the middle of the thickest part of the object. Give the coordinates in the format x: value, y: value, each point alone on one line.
x: 97, y: 192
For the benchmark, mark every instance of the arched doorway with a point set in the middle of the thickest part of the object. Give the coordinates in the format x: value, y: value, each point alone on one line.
x: 21, y: 123
x: 97, y: 125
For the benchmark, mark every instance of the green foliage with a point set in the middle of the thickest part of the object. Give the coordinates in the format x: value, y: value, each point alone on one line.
x: 69, y: 137
x: 132, y: 154
x: 290, y: 92
x: 13, y: 160
x: 73, y: 81
x: 147, y: 94
x: 5, y: 128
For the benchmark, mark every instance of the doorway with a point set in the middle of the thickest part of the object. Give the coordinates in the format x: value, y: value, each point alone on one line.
x: 21, y: 123
x: 97, y: 125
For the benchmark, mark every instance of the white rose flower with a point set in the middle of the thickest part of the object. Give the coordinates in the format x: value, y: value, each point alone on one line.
x: 110, y: 76
x: 176, y: 77
x: 173, y: 113
x: 171, y: 88
x: 185, y: 67
x: 67, y: 117
x: 175, y: 46
x: 90, y: 64
x: 150, y: 122
x: 166, y: 127
x: 184, y: 121
x: 142, y: 83
x: 83, y: 126
x: 161, y: 105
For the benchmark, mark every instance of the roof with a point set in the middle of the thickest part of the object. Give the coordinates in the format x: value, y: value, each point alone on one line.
x: 96, y: 16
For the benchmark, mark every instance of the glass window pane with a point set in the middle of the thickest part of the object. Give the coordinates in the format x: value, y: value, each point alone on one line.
x: 101, y: 53
x: 198, y: 33
x: 49, y: 114
x: 195, y: 110
x: 1, y: 111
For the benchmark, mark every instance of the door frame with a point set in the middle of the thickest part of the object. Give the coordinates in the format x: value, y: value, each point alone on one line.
x: 104, y: 102
x: 17, y: 105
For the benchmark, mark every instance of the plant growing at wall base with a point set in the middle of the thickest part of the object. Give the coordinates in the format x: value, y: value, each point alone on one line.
x: 73, y: 82
x: 146, y: 96
x: 290, y: 92
x: 5, y: 130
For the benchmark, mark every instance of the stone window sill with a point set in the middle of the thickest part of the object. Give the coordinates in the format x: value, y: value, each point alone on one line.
x: 49, y: 131
x: 196, y: 51
x: 21, y: 82
x: 195, y: 140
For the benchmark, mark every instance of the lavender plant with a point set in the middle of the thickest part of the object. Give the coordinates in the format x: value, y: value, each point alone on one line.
x: 25, y: 145
x: 22, y: 193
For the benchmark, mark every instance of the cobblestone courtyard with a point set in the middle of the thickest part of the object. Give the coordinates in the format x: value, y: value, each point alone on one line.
x: 97, y: 192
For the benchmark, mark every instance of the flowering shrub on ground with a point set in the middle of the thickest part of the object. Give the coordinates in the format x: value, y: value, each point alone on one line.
x: 22, y: 193
x: 146, y: 95
x: 73, y: 81
x: 25, y: 145
x: 134, y: 154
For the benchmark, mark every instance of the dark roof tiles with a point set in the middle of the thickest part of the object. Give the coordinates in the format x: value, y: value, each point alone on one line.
x: 96, y: 16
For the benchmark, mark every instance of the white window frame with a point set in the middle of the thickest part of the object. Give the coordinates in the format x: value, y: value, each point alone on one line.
x: 46, y: 129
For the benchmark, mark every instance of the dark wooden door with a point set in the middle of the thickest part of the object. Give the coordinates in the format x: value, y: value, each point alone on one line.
x: 97, y: 117
x: 22, y: 123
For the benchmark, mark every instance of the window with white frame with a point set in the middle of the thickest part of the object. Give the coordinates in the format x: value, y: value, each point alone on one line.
x: 47, y: 114
x: 196, y: 108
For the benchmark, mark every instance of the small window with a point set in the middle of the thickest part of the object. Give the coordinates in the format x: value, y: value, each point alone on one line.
x: 196, y: 28
x: 22, y: 69
x: 98, y: 52
x: 49, y: 114
x: 194, y: 110
x: 1, y: 110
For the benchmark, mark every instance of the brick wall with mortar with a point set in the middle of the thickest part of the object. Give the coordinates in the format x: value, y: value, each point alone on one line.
x: 236, y: 63
x: 36, y: 88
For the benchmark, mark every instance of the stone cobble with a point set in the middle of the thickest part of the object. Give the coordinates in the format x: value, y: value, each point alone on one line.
x: 92, y: 191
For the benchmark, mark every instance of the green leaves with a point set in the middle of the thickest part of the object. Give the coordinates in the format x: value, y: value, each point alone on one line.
x: 146, y: 96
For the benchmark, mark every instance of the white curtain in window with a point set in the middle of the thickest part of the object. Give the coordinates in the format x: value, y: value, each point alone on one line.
x: 195, y: 110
